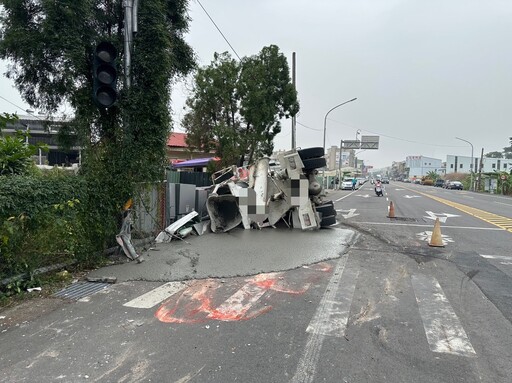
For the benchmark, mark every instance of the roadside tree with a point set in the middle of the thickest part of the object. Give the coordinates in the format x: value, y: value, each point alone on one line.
x: 236, y: 107
x: 50, y: 45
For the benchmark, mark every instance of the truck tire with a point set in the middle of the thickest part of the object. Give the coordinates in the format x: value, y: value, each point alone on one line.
x: 315, y: 152
x: 314, y: 163
x: 326, y: 209
x: 328, y: 221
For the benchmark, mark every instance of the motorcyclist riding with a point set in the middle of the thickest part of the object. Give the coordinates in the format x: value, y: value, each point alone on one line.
x: 378, y: 188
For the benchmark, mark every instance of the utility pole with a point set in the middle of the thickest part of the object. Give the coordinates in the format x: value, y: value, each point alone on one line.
x: 294, y: 122
x: 480, y: 170
x: 130, y: 29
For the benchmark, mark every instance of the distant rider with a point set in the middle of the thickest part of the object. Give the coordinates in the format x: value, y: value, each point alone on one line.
x: 378, y: 184
x: 354, y: 183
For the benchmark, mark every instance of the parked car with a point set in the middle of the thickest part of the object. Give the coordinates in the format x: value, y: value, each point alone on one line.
x: 439, y: 183
x: 346, y: 184
x: 455, y: 185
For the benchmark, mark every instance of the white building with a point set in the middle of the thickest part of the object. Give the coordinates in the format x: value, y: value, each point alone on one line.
x: 420, y: 166
x: 463, y: 164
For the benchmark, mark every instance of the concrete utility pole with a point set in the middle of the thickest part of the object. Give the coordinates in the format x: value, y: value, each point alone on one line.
x: 294, y: 121
x: 472, y: 188
x: 480, y: 169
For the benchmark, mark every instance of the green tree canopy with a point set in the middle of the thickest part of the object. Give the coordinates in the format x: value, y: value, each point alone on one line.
x: 235, y: 107
x: 432, y: 175
x: 494, y: 155
x: 508, y: 150
x: 50, y: 45
x: 15, y: 152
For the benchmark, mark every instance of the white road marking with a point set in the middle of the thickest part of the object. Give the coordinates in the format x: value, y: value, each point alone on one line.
x: 427, y: 236
x: 330, y: 319
x: 423, y: 225
x: 350, y: 213
x: 345, y: 196
x: 443, y: 329
x: 502, y: 203
x: 155, y: 296
x: 442, y: 216
x: 411, y: 196
x: 503, y: 259
x: 332, y: 314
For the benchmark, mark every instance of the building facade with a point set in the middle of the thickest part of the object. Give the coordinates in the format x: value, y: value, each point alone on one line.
x: 420, y: 166
x: 44, y: 130
x: 464, y: 164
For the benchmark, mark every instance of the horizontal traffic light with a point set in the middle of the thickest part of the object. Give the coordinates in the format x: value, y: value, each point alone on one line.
x: 105, y: 75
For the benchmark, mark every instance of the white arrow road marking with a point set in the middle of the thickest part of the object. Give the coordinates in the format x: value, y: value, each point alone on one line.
x: 155, y: 296
x: 330, y: 319
x: 411, y: 196
x: 442, y: 216
x: 427, y: 235
x: 350, y: 213
x: 399, y: 189
x: 443, y: 329
x: 503, y: 259
x: 364, y: 196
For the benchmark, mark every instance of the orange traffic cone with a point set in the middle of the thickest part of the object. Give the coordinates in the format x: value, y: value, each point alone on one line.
x: 436, y: 239
x: 391, y: 213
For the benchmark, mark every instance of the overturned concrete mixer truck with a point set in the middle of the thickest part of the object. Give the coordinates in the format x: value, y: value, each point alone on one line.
x: 263, y: 196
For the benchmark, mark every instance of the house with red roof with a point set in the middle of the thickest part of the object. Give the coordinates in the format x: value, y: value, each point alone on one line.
x: 178, y: 150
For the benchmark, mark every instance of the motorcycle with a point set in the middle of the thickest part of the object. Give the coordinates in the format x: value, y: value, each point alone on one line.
x: 378, y: 190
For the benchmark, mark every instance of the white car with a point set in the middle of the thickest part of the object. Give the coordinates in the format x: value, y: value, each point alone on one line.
x: 346, y: 184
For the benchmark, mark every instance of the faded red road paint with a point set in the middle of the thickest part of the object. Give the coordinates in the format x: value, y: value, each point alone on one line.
x: 194, y: 305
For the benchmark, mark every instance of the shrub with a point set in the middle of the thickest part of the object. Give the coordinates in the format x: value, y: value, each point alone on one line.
x: 43, y: 221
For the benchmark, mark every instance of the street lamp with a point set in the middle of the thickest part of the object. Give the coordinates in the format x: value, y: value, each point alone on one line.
x: 325, y: 128
x: 330, y: 110
x: 358, y: 132
x: 472, y: 188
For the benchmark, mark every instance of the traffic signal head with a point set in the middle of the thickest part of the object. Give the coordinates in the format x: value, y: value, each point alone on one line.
x: 105, y: 75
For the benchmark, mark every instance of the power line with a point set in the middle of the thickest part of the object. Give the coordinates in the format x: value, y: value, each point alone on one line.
x: 12, y: 103
x: 222, y: 34
x: 307, y: 127
x: 399, y: 139
x: 25, y: 110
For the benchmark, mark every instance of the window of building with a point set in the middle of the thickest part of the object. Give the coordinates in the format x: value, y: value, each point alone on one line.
x: 494, y: 166
x: 460, y: 166
x: 451, y: 166
x: 505, y: 166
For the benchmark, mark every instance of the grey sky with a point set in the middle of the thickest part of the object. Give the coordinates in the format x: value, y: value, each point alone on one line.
x: 423, y: 71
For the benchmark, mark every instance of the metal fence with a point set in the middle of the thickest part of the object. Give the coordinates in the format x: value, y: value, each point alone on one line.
x: 152, y: 205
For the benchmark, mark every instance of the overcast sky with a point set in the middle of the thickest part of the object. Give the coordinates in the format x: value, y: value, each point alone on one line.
x: 424, y: 72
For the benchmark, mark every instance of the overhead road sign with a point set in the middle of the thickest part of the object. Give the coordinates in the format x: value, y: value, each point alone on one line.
x: 369, y: 142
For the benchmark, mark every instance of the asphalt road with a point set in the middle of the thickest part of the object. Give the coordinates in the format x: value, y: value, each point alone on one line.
x: 367, y: 300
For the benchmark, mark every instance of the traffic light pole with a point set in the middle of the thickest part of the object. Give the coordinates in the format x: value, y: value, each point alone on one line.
x: 130, y: 28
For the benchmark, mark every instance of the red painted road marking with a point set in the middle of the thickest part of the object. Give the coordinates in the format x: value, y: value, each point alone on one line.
x: 238, y: 304
x: 195, y: 304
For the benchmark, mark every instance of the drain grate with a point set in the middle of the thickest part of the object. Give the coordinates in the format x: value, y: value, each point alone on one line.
x: 81, y: 290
